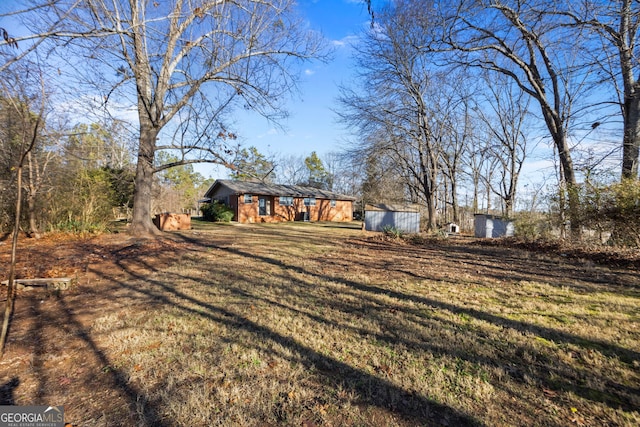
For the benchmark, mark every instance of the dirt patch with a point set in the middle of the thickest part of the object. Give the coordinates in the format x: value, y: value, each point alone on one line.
x: 607, y: 256
x: 80, y: 369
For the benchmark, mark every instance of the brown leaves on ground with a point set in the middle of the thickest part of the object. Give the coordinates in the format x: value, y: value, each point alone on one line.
x: 603, y: 255
x: 69, y: 255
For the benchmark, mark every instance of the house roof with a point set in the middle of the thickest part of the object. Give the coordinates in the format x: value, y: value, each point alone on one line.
x: 260, y: 188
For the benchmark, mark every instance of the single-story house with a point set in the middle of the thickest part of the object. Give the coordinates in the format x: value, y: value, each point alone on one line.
x: 261, y: 202
x: 405, y: 218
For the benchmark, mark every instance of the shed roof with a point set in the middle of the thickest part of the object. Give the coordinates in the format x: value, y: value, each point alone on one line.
x: 261, y: 188
x: 385, y: 207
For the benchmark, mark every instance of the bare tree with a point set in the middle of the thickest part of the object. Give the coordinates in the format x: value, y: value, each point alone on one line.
x: 290, y: 169
x: 514, y: 39
x: 397, y: 111
x: 505, y: 114
x: 382, y: 179
x: 345, y: 172
x: 455, y: 108
x: 17, y: 104
x: 474, y: 162
x: 616, y: 25
x: 31, y: 42
x: 184, y: 64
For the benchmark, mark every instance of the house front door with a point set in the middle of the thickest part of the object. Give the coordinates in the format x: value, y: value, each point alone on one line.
x: 264, y: 206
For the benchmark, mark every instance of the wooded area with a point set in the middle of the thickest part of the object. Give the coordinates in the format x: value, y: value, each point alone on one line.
x: 471, y: 89
x: 450, y: 102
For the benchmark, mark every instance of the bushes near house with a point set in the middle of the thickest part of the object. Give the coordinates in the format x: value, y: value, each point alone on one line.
x: 216, y: 211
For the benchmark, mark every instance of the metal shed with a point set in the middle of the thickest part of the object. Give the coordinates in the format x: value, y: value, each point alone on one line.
x: 491, y: 226
x: 402, y: 217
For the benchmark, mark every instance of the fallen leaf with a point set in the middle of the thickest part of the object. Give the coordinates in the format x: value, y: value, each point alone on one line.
x: 64, y: 380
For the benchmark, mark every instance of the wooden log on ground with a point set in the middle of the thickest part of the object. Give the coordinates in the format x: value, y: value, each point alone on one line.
x: 55, y: 283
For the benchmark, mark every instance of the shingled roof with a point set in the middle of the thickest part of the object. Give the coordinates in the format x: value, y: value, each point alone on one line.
x: 260, y: 188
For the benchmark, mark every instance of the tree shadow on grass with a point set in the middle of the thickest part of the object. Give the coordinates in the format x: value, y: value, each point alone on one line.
x: 411, y: 407
x: 133, y: 276
x: 7, y: 390
x: 147, y: 411
x: 617, y: 397
x: 500, y: 263
x: 52, y: 317
x: 626, y: 355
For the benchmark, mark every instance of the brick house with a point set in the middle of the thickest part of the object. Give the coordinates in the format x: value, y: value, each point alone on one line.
x: 259, y: 202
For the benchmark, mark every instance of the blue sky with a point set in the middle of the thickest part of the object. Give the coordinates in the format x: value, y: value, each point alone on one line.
x: 312, y: 124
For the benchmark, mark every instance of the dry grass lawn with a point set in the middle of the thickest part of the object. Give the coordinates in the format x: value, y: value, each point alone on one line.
x: 322, y: 325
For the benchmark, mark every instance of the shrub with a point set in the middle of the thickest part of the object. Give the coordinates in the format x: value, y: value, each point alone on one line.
x: 78, y: 227
x: 614, y: 208
x: 532, y: 225
x: 216, y: 211
x: 391, y: 231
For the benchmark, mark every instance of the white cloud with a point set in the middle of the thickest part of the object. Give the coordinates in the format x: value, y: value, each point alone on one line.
x: 268, y: 133
x: 345, y: 41
x: 309, y: 72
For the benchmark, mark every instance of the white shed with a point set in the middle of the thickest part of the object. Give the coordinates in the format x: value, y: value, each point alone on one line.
x: 492, y: 226
x: 402, y: 217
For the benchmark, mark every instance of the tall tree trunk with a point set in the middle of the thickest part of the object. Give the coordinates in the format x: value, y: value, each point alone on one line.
x: 141, y: 223
x: 11, y: 285
x: 511, y: 194
x: 631, y: 138
x: 573, y: 199
x: 625, y: 43
x: 31, y: 199
x: 430, y: 185
x: 476, y: 192
x: 508, y: 206
x: 454, y: 201
x: 488, y: 189
x: 31, y: 214
x: 431, y: 210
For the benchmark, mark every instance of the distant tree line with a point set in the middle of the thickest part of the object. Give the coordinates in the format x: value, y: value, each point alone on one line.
x: 76, y: 178
x: 332, y: 171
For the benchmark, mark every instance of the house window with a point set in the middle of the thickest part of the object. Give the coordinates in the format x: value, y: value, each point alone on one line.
x: 286, y: 201
x: 248, y: 198
x: 264, y: 206
x: 333, y: 203
x: 309, y: 201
